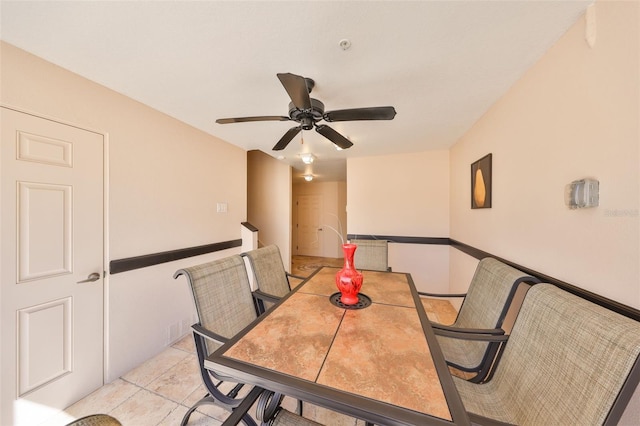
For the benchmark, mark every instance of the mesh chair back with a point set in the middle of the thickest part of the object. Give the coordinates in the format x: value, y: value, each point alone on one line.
x: 222, y: 296
x: 566, y: 362
x: 269, y: 271
x: 371, y: 254
x: 490, y: 290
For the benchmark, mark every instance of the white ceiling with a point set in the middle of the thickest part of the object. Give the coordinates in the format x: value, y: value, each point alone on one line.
x: 441, y: 64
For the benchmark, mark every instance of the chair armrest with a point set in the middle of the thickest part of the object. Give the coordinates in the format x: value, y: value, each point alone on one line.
x: 479, y: 337
x: 197, y: 328
x: 264, y: 296
x: 422, y: 293
x: 492, y: 331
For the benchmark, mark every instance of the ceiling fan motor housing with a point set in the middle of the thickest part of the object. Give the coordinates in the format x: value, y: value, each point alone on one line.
x: 307, y: 117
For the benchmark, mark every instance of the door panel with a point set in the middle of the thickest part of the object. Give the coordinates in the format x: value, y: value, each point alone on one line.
x: 44, y: 329
x: 309, y: 227
x: 44, y: 241
x: 52, y: 238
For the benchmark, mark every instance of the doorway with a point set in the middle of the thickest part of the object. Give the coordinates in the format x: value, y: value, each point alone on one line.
x: 310, y: 240
x: 52, y: 265
x: 319, y: 218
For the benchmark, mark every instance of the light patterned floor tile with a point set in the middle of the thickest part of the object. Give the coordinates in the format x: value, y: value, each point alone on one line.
x: 290, y: 404
x: 210, y: 410
x: 214, y: 411
x: 104, y: 400
x: 155, y: 367
x: 186, y: 344
x: 196, y: 418
x: 443, y: 309
x: 59, y: 419
x: 433, y: 316
x: 195, y: 396
x: 144, y: 408
x: 179, y: 381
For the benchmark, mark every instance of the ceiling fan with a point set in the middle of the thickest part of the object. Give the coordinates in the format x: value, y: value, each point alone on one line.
x: 308, y: 112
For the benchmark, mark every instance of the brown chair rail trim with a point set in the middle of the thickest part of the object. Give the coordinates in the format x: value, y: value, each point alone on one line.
x: 137, y: 262
x: 585, y: 294
x: 402, y: 240
x: 618, y: 307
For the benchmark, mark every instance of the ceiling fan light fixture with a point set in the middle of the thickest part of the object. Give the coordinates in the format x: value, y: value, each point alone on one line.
x: 308, y: 178
x: 307, y: 158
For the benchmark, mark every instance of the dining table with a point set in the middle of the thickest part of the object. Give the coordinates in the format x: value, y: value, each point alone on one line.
x: 377, y: 360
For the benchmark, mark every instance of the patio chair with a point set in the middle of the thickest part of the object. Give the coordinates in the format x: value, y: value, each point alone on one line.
x: 568, y: 361
x: 372, y: 255
x: 271, y: 276
x: 224, y: 306
x: 96, y: 420
x: 483, y: 310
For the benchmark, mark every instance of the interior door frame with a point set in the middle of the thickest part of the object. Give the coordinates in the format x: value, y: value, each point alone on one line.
x: 105, y: 224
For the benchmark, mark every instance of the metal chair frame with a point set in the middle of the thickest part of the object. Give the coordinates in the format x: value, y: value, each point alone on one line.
x: 483, y: 311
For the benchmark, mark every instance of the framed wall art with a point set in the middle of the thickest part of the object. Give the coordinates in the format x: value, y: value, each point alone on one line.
x: 481, y: 183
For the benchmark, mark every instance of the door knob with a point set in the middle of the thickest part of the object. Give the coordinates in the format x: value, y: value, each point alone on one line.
x: 94, y: 276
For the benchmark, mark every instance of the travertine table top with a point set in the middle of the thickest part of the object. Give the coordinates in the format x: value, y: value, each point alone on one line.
x: 379, y: 352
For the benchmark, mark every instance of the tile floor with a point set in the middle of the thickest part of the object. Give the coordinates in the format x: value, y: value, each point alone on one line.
x: 160, y: 391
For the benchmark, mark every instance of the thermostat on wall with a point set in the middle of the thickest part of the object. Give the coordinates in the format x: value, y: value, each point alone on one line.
x: 582, y: 193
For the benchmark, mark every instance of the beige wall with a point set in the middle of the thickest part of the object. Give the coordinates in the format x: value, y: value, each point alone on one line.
x: 334, y: 214
x: 269, y: 201
x: 573, y: 115
x: 165, y: 179
x: 404, y: 195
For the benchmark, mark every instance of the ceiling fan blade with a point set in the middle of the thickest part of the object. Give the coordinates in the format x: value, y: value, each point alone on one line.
x: 373, y: 113
x: 296, y: 87
x: 248, y: 119
x: 284, y: 141
x: 333, y: 136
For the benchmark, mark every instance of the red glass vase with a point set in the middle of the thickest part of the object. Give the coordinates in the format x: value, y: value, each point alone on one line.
x: 348, y: 279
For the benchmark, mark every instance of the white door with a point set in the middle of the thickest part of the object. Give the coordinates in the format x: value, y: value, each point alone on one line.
x: 309, y: 228
x: 52, y: 240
